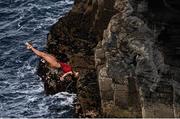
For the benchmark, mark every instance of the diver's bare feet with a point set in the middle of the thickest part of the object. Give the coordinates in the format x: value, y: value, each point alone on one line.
x: 28, y: 45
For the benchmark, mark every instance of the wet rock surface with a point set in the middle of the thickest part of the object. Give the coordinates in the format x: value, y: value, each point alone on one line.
x: 127, y: 54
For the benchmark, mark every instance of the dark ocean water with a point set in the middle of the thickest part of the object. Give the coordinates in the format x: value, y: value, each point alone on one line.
x: 21, y: 90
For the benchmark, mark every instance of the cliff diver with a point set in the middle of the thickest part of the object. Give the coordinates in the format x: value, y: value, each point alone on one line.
x: 54, y: 63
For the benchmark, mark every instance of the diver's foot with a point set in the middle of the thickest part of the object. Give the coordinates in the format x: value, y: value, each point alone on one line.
x: 28, y: 45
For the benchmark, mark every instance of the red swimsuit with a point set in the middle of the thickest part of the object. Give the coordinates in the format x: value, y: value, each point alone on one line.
x: 65, y: 67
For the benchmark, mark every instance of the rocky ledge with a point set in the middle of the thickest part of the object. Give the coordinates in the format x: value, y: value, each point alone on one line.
x: 127, y: 53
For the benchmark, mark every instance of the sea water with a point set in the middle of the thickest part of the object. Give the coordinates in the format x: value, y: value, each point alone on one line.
x: 21, y: 90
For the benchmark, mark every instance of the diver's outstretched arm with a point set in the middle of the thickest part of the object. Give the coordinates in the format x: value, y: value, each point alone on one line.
x: 49, y: 58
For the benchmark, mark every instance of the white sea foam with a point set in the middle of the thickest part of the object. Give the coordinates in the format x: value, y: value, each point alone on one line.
x: 68, y: 98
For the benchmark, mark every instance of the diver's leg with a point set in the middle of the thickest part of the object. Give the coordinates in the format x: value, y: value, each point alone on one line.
x: 49, y: 58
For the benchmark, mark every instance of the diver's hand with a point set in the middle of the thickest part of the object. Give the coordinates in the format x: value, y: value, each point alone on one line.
x: 28, y: 45
x: 61, y: 78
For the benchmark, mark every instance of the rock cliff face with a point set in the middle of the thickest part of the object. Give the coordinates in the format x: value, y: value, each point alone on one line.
x: 138, y: 58
x: 127, y: 52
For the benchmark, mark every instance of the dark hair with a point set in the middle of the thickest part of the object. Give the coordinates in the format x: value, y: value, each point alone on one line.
x: 62, y: 57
